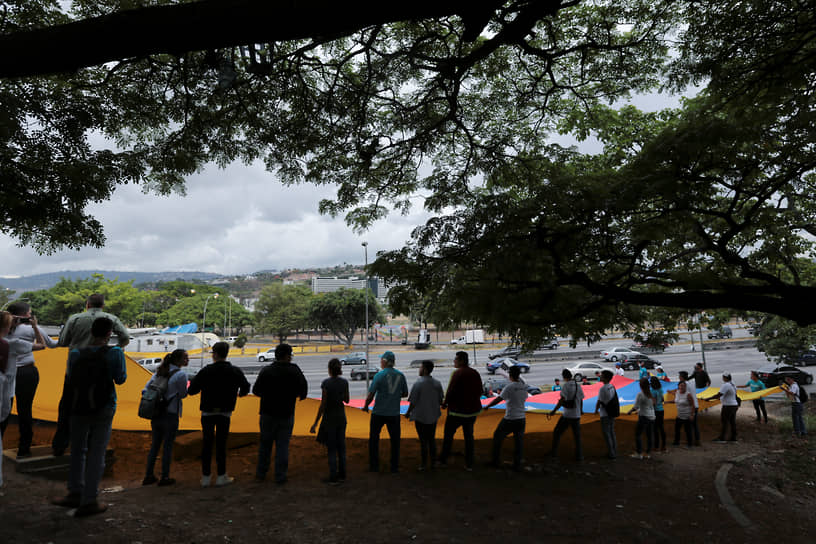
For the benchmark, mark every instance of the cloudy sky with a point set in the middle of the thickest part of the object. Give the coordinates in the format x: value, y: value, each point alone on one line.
x: 233, y: 221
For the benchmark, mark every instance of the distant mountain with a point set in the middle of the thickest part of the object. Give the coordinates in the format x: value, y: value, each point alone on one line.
x: 46, y: 281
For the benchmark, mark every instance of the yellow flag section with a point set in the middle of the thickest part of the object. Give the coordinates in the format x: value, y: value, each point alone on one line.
x: 51, y: 364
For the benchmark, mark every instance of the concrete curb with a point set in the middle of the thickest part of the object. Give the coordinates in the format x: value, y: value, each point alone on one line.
x: 720, y: 483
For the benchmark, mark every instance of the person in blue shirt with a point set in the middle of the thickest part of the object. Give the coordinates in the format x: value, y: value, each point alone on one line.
x: 389, y: 387
x: 643, y: 373
x: 755, y: 384
x: 90, y: 432
x: 557, y: 386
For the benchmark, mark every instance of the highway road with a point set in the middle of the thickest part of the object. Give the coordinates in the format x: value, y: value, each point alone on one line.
x: 738, y: 361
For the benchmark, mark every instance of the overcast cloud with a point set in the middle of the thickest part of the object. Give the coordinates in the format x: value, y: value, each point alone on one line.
x: 233, y: 221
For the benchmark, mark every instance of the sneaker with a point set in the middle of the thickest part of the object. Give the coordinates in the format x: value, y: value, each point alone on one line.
x: 68, y: 501
x: 23, y: 454
x: 205, y: 480
x: 719, y: 441
x: 341, y: 477
x: 646, y: 456
x: 90, y: 509
x: 150, y: 479
x: 469, y: 469
x: 223, y: 480
x: 330, y: 481
x: 636, y: 456
x: 166, y: 481
x: 421, y: 468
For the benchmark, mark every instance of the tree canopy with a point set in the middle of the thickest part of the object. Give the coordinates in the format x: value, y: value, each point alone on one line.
x: 703, y: 206
x: 283, y: 309
x: 343, y: 312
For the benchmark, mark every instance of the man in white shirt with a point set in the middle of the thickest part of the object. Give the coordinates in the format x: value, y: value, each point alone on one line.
x: 606, y: 394
x: 797, y: 408
x: 728, y: 412
x: 572, y: 402
x: 514, y: 396
x: 424, y: 409
x: 618, y: 369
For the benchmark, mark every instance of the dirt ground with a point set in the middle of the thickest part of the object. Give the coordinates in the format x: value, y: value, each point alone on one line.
x: 671, y: 497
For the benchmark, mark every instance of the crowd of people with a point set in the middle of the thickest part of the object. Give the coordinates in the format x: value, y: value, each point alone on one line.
x: 88, y: 404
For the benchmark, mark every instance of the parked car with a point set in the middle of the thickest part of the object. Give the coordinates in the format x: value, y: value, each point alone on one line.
x: 494, y: 386
x: 354, y: 358
x: 615, y: 354
x: 632, y: 362
x: 359, y: 372
x: 722, y: 332
x: 754, y: 328
x: 772, y: 374
x: 268, y: 355
x: 151, y: 363
x: 507, y: 362
x: 806, y: 358
x: 587, y: 369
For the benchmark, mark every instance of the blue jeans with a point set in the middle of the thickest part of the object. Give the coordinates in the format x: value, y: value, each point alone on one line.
x: 164, y: 432
x: 797, y: 409
x: 608, y: 430
x: 392, y: 423
x: 89, y: 440
x: 274, y: 430
x: 336, y: 444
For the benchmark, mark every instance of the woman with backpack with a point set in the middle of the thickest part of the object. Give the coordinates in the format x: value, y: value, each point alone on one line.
x: 172, y: 381
x: 644, y: 406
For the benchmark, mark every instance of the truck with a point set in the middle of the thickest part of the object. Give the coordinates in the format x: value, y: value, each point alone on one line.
x: 475, y: 336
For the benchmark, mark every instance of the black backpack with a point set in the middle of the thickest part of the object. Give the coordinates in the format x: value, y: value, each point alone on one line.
x: 90, y: 383
x: 154, y: 401
x: 803, y: 395
x: 613, y: 406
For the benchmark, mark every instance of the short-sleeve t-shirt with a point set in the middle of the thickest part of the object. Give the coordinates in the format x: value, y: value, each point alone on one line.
x: 335, y: 390
x: 756, y: 385
x: 644, y: 405
x: 643, y: 373
x: 426, y: 396
x: 514, y: 395
x: 388, y: 386
x: 605, y: 394
x: 571, y: 391
x: 729, y: 394
x: 794, y: 389
x: 658, y: 396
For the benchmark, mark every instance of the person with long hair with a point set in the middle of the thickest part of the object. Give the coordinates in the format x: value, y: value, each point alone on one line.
x: 165, y: 425
x: 644, y: 406
x: 755, y: 384
x: 24, y: 338
x: 332, y: 431
x: 659, y: 432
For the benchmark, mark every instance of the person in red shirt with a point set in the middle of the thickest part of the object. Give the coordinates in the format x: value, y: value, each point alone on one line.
x: 463, y: 402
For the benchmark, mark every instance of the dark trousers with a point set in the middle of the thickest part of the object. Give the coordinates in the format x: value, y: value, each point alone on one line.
x: 336, y: 445
x: 451, y: 424
x: 658, y: 430
x: 164, y: 430
x: 695, y: 428
x: 392, y: 423
x: 427, y: 442
x: 62, y: 436
x: 573, y: 423
x: 761, y: 411
x: 505, y: 427
x: 644, y: 425
x: 215, y: 430
x: 684, y: 424
x: 797, y: 411
x: 728, y: 417
x: 27, y: 380
x: 275, y: 431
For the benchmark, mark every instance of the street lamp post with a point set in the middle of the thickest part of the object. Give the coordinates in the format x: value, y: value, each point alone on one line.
x: 204, y: 324
x: 368, y: 360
